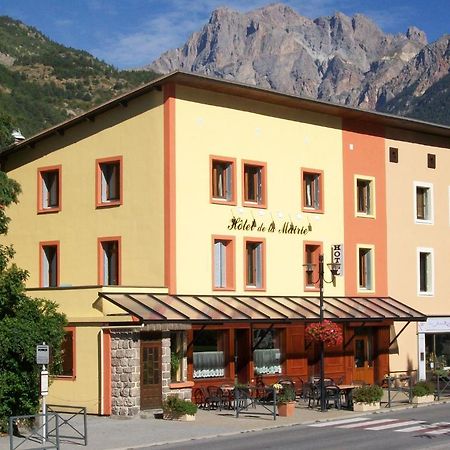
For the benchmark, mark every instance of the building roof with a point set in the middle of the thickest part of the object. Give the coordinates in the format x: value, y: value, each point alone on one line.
x: 241, y: 90
x: 201, y: 309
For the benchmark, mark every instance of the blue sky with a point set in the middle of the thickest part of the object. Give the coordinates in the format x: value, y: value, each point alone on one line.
x: 132, y: 33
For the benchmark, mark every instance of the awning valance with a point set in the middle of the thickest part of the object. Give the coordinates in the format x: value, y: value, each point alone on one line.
x: 204, y: 309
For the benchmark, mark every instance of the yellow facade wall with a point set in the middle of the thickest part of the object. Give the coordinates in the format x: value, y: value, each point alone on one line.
x: 209, y: 123
x: 136, y: 133
x: 84, y: 389
x: 405, y: 235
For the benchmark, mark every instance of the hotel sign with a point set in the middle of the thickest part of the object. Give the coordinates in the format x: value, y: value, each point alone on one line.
x: 337, y: 257
x: 286, y: 227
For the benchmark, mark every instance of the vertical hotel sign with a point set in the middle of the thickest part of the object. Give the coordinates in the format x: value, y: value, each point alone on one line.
x: 337, y: 257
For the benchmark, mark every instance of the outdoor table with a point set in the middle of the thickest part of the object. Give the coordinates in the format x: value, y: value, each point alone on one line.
x: 347, y: 389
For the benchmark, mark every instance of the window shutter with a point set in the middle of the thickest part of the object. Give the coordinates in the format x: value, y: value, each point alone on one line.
x: 258, y: 265
x: 217, y: 264
x: 229, y: 182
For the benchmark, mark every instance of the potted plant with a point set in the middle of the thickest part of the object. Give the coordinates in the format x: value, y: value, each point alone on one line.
x: 327, y: 332
x: 285, y: 401
x: 423, y: 392
x: 367, y: 398
x: 175, y: 408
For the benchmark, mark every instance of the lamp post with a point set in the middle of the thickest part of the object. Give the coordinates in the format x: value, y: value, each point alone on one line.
x: 334, y: 269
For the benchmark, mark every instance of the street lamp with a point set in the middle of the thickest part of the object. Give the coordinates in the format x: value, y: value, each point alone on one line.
x: 334, y: 269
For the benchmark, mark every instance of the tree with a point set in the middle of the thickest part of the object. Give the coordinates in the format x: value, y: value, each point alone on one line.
x: 6, y: 129
x: 24, y: 323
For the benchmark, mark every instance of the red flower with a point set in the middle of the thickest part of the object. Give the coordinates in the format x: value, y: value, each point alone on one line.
x: 327, y: 332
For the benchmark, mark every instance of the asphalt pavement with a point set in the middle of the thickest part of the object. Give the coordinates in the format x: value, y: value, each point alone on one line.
x: 106, y: 433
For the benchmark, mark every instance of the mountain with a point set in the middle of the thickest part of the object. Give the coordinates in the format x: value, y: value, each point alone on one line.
x: 43, y: 83
x: 342, y: 59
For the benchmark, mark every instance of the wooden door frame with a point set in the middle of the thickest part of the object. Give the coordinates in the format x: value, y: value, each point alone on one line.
x: 153, y: 344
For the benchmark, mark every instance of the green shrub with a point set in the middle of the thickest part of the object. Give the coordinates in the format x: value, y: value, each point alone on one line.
x: 174, y: 406
x: 368, y: 394
x: 287, y: 394
x: 423, y: 388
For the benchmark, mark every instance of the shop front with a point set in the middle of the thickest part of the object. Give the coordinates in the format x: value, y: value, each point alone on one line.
x: 434, y: 346
x: 253, y: 339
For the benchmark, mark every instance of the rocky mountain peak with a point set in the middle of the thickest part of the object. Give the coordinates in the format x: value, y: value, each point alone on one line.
x: 338, y: 58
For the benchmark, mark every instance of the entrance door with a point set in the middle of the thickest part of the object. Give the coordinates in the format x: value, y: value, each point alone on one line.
x: 151, y: 383
x: 363, y: 370
x: 242, y: 355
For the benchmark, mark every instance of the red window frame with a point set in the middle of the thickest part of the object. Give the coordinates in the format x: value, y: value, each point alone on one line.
x: 100, y: 258
x: 315, y: 196
x: 252, y: 178
x: 42, y: 246
x: 72, y: 376
x: 230, y: 276
x: 311, y: 280
x: 41, y: 172
x: 214, y: 196
x: 248, y: 285
x: 100, y: 202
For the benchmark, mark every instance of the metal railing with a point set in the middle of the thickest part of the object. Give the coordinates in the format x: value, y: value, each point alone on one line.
x: 72, y: 423
x: 399, y: 387
x: 35, y: 434
x: 246, y: 397
x: 442, y: 386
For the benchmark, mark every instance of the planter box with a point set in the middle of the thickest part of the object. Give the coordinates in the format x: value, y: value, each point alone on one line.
x: 423, y: 399
x: 286, y: 409
x: 182, y: 418
x: 362, y: 407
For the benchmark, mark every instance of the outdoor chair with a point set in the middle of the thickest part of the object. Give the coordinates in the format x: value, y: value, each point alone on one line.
x: 312, y: 394
x: 333, y: 395
x: 199, y: 397
x: 214, y: 398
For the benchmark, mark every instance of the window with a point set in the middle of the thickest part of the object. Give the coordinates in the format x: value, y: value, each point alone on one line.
x: 311, y: 260
x: 267, y: 356
x: 68, y: 353
x: 49, y: 264
x: 431, y: 161
x: 177, y: 356
x: 209, y: 353
x: 365, y: 196
x: 365, y: 269
x: 109, y: 181
x: 425, y: 280
x: 254, y: 264
x: 423, y: 199
x: 393, y: 155
x: 49, y: 189
x: 223, y: 180
x: 312, y: 190
x: 223, y: 263
x: 109, y: 261
x: 254, y: 184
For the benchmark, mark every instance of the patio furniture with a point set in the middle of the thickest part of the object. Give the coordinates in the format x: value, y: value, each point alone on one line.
x: 214, y: 398
x: 346, y: 394
x: 312, y: 394
x: 199, y: 397
x: 333, y: 395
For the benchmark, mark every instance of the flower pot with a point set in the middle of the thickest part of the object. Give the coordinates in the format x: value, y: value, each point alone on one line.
x: 286, y: 409
x: 423, y: 399
x: 181, y: 418
x: 362, y: 407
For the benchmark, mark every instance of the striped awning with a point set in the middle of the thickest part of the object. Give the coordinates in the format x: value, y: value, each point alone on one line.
x: 205, y: 309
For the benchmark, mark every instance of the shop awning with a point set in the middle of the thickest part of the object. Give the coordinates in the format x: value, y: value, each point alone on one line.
x: 206, y: 309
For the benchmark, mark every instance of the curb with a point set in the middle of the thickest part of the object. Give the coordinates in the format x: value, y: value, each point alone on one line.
x: 274, y: 427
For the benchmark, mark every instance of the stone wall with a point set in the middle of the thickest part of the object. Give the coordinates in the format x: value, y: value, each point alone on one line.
x: 125, y: 373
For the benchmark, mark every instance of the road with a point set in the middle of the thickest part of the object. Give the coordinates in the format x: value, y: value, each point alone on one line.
x: 418, y: 428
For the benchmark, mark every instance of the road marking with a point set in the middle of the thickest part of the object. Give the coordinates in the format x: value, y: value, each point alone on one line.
x: 427, y: 426
x: 369, y: 422
x: 338, y: 422
x: 443, y: 428
x: 395, y: 425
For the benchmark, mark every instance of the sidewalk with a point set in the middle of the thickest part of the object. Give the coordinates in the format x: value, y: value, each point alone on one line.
x: 106, y: 433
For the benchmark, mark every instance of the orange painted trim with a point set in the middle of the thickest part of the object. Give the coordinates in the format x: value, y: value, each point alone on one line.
x: 43, y: 244
x: 230, y: 263
x: 319, y: 172
x: 316, y: 254
x: 40, y: 171
x: 98, y: 182
x: 181, y: 384
x: 232, y: 161
x: 263, y: 167
x: 107, y: 386
x: 263, y: 257
x: 72, y: 377
x: 100, y: 273
x: 169, y: 188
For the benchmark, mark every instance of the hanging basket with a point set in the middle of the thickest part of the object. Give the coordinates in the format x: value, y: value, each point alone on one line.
x: 327, y: 332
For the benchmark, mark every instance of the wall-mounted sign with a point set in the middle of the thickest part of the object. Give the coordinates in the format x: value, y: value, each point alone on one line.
x: 285, y: 227
x: 42, y: 354
x: 337, y: 257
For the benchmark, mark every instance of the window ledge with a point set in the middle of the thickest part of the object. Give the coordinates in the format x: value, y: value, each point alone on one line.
x: 426, y: 294
x: 424, y: 222
x: 181, y: 384
x: 109, y: 204
x: 219, y: 201
x: 313, y: 210
x: 64, y: 377
x: 254, y: 205
x: 49, y: 210
x: 366, y: 216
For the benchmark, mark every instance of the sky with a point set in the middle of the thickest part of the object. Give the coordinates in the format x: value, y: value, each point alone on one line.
x: 132, y: 33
